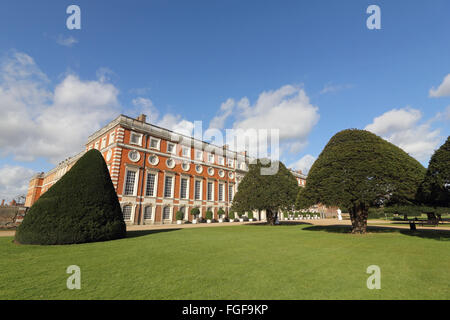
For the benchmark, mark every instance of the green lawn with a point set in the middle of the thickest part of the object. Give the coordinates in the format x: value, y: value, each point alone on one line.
x: 239, y: 262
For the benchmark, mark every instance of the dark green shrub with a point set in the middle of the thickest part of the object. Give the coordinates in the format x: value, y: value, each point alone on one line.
x: 232, y: 215
x: 81, y: 207
x: 220, y: 213
x: 195, y: 212
x: 208, y: 215
x: 285, y: 214
x: 250, y: 215
x: 179, y: 215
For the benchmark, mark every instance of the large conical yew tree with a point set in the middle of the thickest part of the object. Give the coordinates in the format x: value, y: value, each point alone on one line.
x: 435, y: 189
x: 81, y: 207
x: 266, y: 189
x: 357, y: 170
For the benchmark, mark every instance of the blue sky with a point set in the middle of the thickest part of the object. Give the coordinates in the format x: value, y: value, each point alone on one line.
x: 181, y: 61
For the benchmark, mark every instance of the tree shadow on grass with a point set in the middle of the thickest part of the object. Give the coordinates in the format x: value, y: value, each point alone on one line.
x: 141, y: 233
x: 282, y: 224
x: 440, y: 235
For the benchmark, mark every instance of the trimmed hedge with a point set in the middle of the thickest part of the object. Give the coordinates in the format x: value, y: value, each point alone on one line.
x: 81, y: 207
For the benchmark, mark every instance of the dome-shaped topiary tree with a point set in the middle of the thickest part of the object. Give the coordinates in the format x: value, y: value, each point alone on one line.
x: 81, y: 207
x: 435, y: 189
x: 358, y: 170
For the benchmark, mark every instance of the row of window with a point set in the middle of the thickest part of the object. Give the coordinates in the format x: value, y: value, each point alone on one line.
x: 131, y: 183
x: 101, y: 144
x: 153, y: 159
x: 155, y: 143
x: 149, y: 212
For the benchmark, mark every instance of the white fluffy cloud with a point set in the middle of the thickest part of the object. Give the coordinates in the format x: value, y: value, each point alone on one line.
x: 218, y: 122
x: 304, y: 164
x: 286, y: 109
x: 169, y: 121
x: 14, y: 181
x: 402, y: 128
x: 443, y: 90
x: 51, y: 123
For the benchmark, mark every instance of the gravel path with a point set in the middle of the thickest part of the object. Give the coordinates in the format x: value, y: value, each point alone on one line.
x: 320, y: 222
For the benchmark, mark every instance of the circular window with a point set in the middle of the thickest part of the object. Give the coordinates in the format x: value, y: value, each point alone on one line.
x: 210, y: 171
x: 134, y: 156
x: 170, y: 163
x: 199, y: 168
x: 185, y: 166
x: 153, y: 160
x: 230, y: 175
x: 109, y: 155
x: 221, y: 173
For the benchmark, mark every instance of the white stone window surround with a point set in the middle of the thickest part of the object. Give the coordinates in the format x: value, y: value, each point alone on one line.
x: 133, y: 211
x: 200, y: 183
x: 212, y: 184
x: 173, y: 146
x: 103, y: 144
x: 170, y: 212
x: 153, y: 207
x: 112, y: 136
x: 172, y: 187
x: 134, y: 155
x: 170, y: 163
x: 155, y: 159
x: 136, y: 180
x: 187, y: 186
x: 198, y: 154
x: 135, y: 135
x: 155, y: 187
x: 221, y: 187
x: 186, y: 152
x: 158, y: 143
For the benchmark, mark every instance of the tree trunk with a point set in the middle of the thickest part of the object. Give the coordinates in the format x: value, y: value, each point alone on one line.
x: 271, y: 218
x: 358, y: 216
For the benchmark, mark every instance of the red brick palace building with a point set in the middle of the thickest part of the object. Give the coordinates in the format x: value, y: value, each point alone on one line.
x: 157, y: 172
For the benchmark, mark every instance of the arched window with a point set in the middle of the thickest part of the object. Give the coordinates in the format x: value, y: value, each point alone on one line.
x: 148, y: 213
x: 126, y: 212
x: 166, y: 213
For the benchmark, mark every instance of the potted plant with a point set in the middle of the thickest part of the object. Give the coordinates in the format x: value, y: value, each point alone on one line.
x: 220, y: 214
x: 195, y: 212
x: 285, y: 215
x: 208, y: 216
x: 296, y: 215
x: 231, y: 216
x: 250, y: 216
x: 179, y: 216
x: 241, y: 215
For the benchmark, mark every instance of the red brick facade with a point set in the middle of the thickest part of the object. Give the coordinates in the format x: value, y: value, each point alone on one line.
x: 163, y: 170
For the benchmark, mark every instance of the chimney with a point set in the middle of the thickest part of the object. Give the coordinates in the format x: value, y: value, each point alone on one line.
x: 142, y: 118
